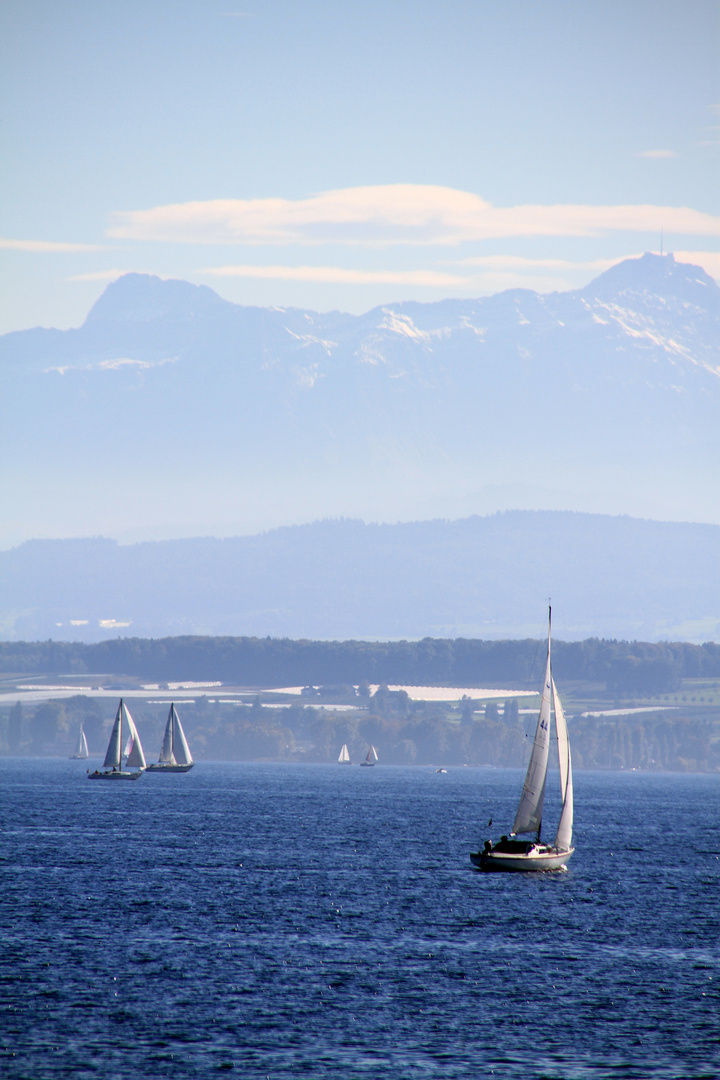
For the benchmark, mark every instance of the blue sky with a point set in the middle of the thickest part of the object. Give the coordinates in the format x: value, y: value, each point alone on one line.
x: 338, y: 155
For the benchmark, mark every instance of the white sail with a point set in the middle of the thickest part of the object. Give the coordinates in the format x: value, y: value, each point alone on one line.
x: 529, y: 812
x: 344, y: 757
x: 166, y: 750
x: 135, y: 755
x: 113, y: 755
x: 180, y: 748
x: 371, y: 756
x: 81, y: 750
x: 563, y: 840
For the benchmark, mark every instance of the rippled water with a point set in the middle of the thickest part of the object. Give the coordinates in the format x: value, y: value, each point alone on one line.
x: 318, y: 921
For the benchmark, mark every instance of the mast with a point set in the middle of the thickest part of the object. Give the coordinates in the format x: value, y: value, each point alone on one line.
x: 549, y: 667
x: 528, y: 818
x: 120, y: 743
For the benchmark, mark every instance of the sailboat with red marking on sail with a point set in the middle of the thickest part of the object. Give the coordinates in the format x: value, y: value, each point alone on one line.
x: 133, y: 753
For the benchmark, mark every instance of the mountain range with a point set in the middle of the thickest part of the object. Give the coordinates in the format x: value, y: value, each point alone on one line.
x: 171, y: 412
x: 482, y: 577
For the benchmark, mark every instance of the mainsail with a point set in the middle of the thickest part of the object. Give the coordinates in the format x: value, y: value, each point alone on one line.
x: 563, y: 840
x: 344, y: 758
x: 113, y: 757
x: 529, y: 812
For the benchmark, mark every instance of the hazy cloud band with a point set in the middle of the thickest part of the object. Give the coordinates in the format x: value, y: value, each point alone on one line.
x: 393, y: 214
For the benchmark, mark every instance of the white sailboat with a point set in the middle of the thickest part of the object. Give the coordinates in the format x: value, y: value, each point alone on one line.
x: 344, y: 758
x: 135, y: 759
x: 512, y: 853
x: 175, y: 753
x: 81, y: 748
x: 371, y: 757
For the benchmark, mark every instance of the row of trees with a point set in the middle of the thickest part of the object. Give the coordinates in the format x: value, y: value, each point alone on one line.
x: 624, y: 667
x: 405, y: 733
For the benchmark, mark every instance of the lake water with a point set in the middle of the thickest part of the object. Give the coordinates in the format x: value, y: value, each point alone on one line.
x: 325, y: 922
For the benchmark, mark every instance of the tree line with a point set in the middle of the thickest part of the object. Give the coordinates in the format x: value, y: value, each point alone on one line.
x: 622, y: 666
x: 405, y: 733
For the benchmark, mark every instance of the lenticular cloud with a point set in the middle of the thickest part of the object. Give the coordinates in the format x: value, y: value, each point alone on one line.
x: 392, y: 214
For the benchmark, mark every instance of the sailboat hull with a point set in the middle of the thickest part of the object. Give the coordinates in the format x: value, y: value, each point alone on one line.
x: 160, y: 767
x: 114, y: 775
x: 533, y: 860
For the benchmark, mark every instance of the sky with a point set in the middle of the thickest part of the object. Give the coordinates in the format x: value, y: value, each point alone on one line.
x: 337, y: 155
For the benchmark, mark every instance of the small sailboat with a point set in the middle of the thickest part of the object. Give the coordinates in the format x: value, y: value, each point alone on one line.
x: 135, y: 759
x: 81, y: 748
x: 344, y: 758
x: 511, y: 853
x: 371, y: 757
x: 175, y: 753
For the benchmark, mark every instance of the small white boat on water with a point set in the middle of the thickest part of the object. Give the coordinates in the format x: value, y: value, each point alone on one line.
x: 344, y: 758
x: 175, y: 756
x: 371, y: 757
x: 512, y: 853
x: 81, y: 748
x: 135, y: 759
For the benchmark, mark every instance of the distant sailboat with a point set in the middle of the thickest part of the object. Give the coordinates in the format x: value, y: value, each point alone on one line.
x: 511, y: 853
x: 135, y: 759
x: 371, y: 757
x: 344, y: 758
x: 175, y: 753
x: 81, y: 749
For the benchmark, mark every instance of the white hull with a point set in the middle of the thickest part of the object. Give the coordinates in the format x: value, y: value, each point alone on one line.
x: 161, y: 767
x: 536, y: 859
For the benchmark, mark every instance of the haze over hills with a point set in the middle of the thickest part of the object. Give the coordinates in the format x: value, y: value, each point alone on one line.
x: 172, y: 412
x: 487, y: 577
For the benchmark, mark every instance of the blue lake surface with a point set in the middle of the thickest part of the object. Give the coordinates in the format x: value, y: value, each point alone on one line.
x: 265, y: 920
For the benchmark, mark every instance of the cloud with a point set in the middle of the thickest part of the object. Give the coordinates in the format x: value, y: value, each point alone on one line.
x: 520, y: 263
x: 708, y: 260
x: 392, y: 214
x: 340, y: 276
x: 104, y: 275
x: 657, y: 154
x: 500, y: 266
x: 48, y: 246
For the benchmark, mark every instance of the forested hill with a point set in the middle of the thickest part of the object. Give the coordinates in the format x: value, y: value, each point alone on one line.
x: 478, y: 577
x: 621, y: 666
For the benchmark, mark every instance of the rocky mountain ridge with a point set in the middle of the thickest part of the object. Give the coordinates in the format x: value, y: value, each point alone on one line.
x: 170, y: 401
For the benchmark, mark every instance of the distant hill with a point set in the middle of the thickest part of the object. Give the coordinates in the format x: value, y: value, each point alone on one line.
x: 482, y: 577
x: 175, y: 409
